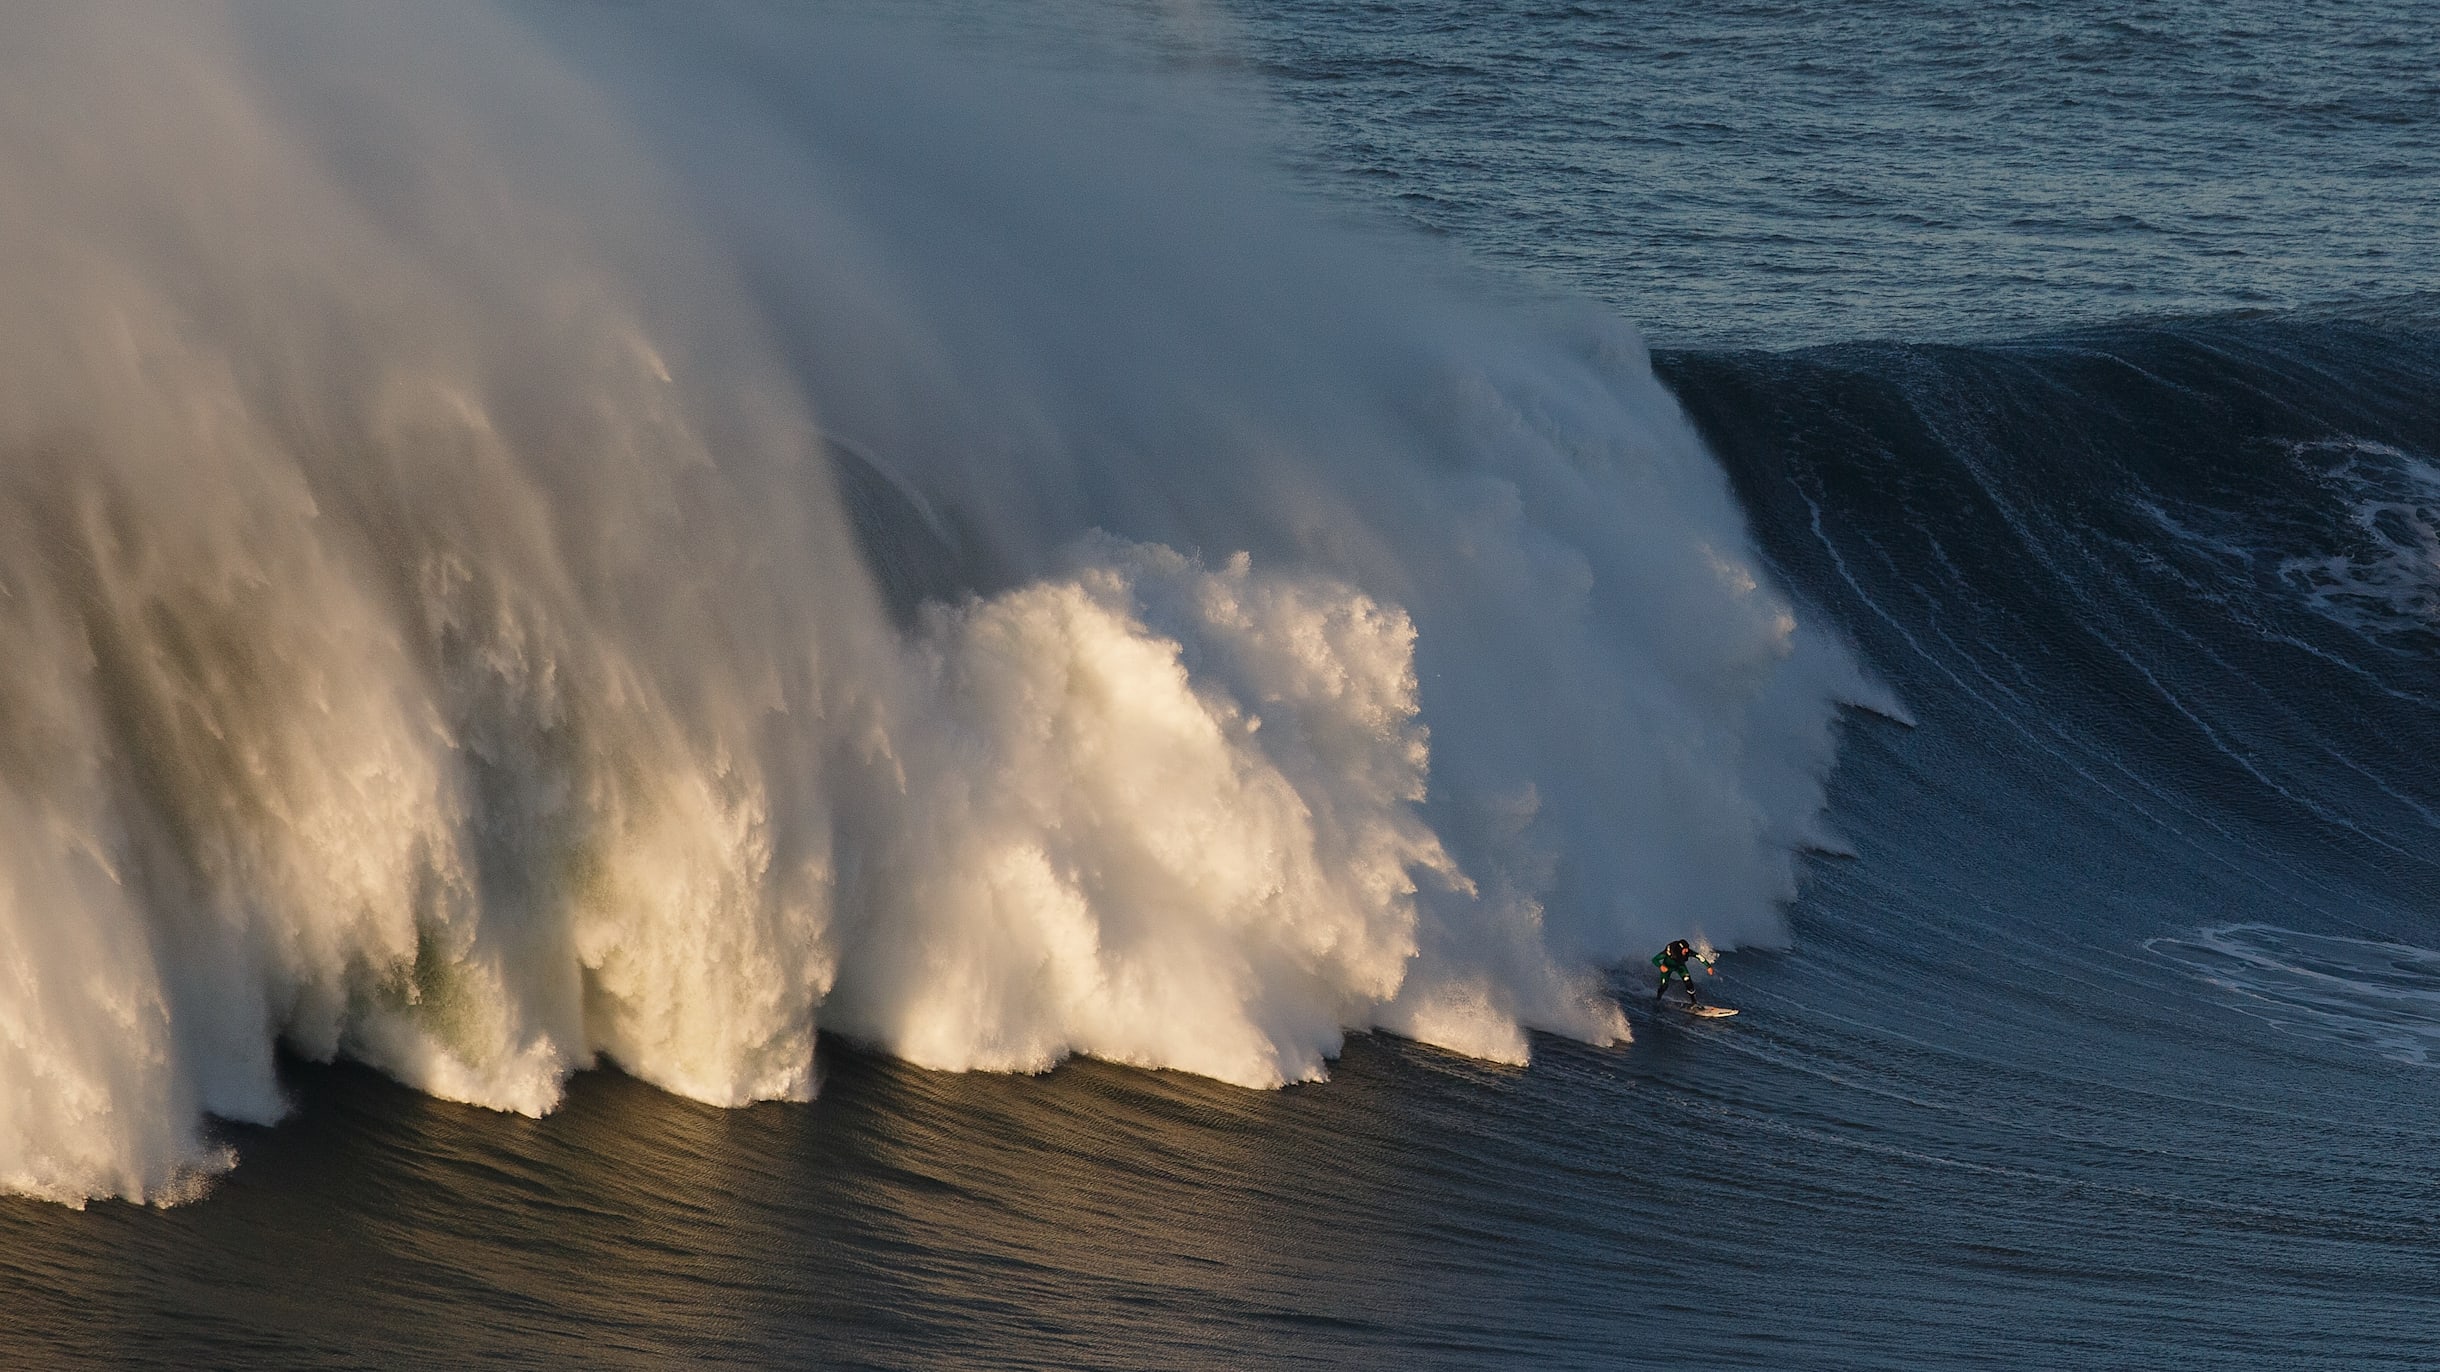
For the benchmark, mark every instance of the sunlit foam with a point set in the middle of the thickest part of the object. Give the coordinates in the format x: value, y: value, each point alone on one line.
x: 446, y: 622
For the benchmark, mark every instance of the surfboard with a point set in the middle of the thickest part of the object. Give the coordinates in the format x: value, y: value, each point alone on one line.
x: 1708, y: 1011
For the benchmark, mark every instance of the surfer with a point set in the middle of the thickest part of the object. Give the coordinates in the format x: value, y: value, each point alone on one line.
x: 1672, y: 962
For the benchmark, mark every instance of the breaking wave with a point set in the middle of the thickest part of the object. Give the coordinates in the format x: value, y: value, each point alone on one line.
x: 534, y: 536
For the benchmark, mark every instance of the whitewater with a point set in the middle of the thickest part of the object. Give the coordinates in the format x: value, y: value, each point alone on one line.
x: 526, y: 545
x: 725, y: 684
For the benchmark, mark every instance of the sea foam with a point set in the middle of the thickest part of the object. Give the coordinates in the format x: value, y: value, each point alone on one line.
x: 528, y: 539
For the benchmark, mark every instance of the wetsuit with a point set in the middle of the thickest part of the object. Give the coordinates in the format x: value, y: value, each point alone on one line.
x: 1672, y: 962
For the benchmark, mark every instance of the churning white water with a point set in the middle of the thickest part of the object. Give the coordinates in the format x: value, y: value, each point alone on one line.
x: 526, y: 540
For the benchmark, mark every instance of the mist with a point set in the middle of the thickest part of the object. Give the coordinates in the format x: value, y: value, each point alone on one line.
x: 536, y: 535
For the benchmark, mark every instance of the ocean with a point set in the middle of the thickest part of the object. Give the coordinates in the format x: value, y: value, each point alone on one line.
x: 902, y: 686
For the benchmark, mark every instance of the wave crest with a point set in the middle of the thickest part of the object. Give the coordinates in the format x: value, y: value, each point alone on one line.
x: 433, y: 628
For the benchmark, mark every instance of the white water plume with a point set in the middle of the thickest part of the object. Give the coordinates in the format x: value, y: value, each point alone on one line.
x: 528, y: 536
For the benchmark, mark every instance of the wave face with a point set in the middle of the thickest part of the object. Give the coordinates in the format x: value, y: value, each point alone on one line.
x: 2187, y: 569
x: 2121, y: 1021
x: 528, y: 539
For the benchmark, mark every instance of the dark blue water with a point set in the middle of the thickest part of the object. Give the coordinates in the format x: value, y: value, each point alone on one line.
x: 2076, y: 365
x: 1774, y: 175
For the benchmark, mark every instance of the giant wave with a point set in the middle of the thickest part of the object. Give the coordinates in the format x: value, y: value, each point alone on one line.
x: 529, y: 537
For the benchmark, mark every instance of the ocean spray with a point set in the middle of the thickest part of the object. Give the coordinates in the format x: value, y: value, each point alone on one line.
x: 526, y: 537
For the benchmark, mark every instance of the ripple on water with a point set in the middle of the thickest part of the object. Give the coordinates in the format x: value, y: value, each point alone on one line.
x: 2381, y: 997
